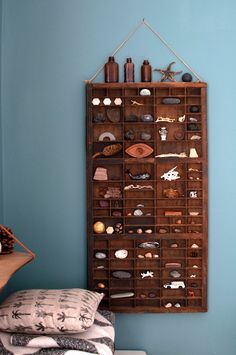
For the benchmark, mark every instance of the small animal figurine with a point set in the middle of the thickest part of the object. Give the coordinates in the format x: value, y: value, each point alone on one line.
x: 147, y: 274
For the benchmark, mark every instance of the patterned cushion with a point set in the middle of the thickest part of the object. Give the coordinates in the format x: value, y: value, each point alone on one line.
x: 49, y: 311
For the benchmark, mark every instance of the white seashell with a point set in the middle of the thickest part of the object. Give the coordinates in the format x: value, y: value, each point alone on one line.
x: 193, y: 213
x: 181, y: 118
x: 145, y: 92
x: 117, y: 101
x: 96, y: 101
x: 121, y: 254
x: 138, y: 212
x: 110, y: 230
x: 107, y: 101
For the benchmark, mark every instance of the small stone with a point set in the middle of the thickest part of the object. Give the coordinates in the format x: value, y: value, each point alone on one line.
x: 140, y: 256
x: 171, y: 101
x: 99, y: 117
x: 162, y: 231
x: 194, y: 109
x: 148, y: 255
x: 129, y: 214
x: 145, y: 136
x: 142, y: 295
x: 179, y: 221
x: 100, y: 255
x: 130, y: 231
x: 175, y: 274
x: 194, y: 246
x: 177, y: 230
x: 195, y: 266
x: 152, y: 295
x: 192, y: 127
x: 177, y: 305
x: 138, y: 212
x: 155, y: 256
x: 187, y: 77
x: 110, y: 230
x: 100, y: 267
x: 145, y: 92
x: 129, y: 135
x: 147, y: 118
x: 101, y: 285
x: 174, y: 245
x: 168, y: 305
x: 122, y: 295
x: 149, y: 245
x: 139, y: 231
x: 121, y: 274
x: 121, y: 254
x: 148, y: 231
x: 192, y: 119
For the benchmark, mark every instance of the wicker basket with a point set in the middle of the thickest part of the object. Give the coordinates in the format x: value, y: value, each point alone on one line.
x: 6, y: 241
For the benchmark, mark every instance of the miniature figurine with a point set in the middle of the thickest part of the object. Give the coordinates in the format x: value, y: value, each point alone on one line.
x: 168, y: 74
x: 163, y: 133
x: 171, y: 175
x: 147, y: 274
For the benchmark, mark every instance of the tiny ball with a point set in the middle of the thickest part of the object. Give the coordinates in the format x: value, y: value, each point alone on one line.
x: 99, y: 227
x: 186, y: 77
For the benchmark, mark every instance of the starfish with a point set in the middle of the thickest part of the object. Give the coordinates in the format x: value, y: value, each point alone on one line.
x: 168, y: 74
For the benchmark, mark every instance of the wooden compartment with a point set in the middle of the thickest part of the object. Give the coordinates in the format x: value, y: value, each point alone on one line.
x: 160, y: 199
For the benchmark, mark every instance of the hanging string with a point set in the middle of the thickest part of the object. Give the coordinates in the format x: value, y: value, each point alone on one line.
x: 143, y: 22
x: 117, y: 50
x: 172, y: 50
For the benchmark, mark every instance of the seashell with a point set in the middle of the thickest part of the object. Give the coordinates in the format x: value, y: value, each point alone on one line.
x: 100, y: 267
x: 168, y: 305
x: 195, y: 137
x: 194, y: 246
x: 100, y: 255
x: 148, y: 255
x: 99, y: 117
x: 99, y: 227
x: 109, y: 150
x: 145, y: 92
x: 145, y: 136
x: 147, y: 118
x: 139, y: 150
x: 174, y: 245
x: 107, y: 101
x: 117, y: 101
x: 171, y: 101
x: 113, y: 115
x: 106, y: 136
x: 110, y: 230
x: 96, y: 101
x: 149, y: 245
x: 140, y: 256
x: 138, y: 212
x: 192, y: 119
x: 193, y: 213
x: 121, y: 254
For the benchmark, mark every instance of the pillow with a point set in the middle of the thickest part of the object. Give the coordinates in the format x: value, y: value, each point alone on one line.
x: 49, y: 311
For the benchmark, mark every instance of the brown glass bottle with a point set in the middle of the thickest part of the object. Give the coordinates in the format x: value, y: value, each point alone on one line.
x: 111, y: 71
x: 146, y: 71
x: 129, y: 71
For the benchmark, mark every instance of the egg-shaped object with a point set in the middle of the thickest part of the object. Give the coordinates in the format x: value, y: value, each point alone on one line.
x: 121, y: 254
x: 139, y: 150
x: 99, y: 227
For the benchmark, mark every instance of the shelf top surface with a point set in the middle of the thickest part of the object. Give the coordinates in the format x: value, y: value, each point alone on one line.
x: 176, y: 84
x: 10, y: 263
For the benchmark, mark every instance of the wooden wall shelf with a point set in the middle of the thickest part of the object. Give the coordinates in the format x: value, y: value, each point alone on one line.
x: 182, y: 237
x: 10, y: 263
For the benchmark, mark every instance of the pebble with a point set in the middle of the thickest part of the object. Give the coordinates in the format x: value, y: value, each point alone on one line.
x: 145, y: 92
x: 177, y: 305
x: 194, y: 246
x: 122, y: 274
x: 177, y: 230
x: 168, y: 305
x: 162, y: 230
x: 148, y: 255
x: 100, y: 255
x: 149, y: 245
x: 148, y: 231
x: 147, y: 118
x: 138, y: 212
x: 121, y: 254
x: 145, y: 136
x: 130, y: 231
x: 155, y: 256
x: 194, y: 109
x: 175, y: 274
x: 122, y: 295
x: 139, y: 231
x: 101, y: 285
x: 174, y: 245
x: 140, y: 256
x: 171, y: 101
x: 187, y: 77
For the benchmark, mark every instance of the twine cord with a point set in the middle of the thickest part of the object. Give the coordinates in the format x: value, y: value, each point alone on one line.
x: 122, y: 44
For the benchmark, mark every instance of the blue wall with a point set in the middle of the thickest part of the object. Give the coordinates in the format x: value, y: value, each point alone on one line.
x: 50, y: 47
